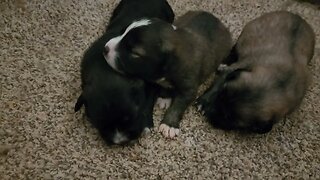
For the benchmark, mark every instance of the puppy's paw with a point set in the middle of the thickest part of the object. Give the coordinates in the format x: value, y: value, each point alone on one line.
x: 202, y: 105
x: 146, y: 131
x: 168, y: 132
x: 200, y: 109
x: 163, y: 103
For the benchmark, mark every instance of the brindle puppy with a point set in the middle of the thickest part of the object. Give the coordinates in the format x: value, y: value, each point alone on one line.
x: 177, y: 57
x: 267, y: 76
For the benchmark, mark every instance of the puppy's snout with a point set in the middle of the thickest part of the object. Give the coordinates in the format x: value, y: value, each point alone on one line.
x: 106, y: 50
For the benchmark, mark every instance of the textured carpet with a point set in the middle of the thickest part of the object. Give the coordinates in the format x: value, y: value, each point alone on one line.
x: 42, y: 138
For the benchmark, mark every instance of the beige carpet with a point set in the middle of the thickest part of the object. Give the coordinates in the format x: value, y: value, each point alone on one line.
x: 40, y: 53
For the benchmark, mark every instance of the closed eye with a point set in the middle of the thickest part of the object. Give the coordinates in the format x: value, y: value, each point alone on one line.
x: 137, y: 52
x: 135, y: 55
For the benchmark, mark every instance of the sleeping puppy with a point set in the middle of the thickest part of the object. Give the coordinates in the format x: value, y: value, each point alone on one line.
x: 267, y: 77
x: 178, y: 58
x: 118, y: 106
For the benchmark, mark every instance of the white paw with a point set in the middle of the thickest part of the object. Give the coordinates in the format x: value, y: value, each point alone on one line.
x: 199, y: 107
x: 146, y: 131
x: 168, y: 132
x: 163, y: 103
x: 222, y: 67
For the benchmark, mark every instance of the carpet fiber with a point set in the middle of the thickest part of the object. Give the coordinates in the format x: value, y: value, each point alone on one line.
x: 42, y: 138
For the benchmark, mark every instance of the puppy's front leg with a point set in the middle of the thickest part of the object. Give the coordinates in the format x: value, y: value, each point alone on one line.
x: 207, y: 99
x: 170, y: 124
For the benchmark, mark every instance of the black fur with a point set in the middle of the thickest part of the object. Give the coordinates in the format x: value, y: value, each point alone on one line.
x: 179, y: 57
x: 113, y: 101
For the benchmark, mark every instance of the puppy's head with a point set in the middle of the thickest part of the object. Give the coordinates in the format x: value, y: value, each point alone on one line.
x: 142, y: 50
x: 116, y: 112
x: 248, y: 101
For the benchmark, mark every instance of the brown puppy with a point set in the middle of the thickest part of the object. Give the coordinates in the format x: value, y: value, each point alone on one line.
x: 177, y: 57
x: 268, y: 75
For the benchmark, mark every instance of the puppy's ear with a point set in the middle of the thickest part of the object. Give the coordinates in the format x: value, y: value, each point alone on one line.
x: 79, y: 103
x: 169, y: 12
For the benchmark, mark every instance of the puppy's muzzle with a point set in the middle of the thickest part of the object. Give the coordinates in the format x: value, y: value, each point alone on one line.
x: 106, y: 50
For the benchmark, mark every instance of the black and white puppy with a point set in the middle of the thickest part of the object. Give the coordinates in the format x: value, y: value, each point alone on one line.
x: 267, y: 77
x: 178, y: 57
x: 118, y: 106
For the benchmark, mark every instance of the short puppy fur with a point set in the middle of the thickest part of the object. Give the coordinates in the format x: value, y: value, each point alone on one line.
x: 178, y: 57
x: 120, y: 107
x: 267, y: 76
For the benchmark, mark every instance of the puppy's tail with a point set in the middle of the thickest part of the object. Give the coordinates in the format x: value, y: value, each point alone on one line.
x: 79, y: 103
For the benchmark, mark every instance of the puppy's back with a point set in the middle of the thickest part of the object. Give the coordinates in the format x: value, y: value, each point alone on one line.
x: 273, y: 52
x: 203, y: 24
x: 278, y: 32
x: 210, y: 36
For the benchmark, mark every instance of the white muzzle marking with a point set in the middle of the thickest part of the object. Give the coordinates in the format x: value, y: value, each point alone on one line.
x: 119, y: 137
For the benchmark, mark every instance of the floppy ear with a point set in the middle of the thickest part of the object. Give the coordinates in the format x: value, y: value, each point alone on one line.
x: 169, y: 12
x: 79, y: 103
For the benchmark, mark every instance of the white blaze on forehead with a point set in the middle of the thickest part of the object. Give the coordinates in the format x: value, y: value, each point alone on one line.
x: 113, y: 43
x: 119, y: 137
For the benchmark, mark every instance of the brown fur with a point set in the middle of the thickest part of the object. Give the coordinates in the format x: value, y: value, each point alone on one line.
x: 194, y: 56
x: 271, y: 60
x: 178, y: 59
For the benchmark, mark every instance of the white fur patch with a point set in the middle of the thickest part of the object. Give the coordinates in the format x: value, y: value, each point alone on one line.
x: 146, y: 131
x: 164, y: 83
x: 174, y: 27
x: 164, y: 103
x: 119, y: 137
x: 112, y: 44
x: 168, y: 132
x: 222, y: 67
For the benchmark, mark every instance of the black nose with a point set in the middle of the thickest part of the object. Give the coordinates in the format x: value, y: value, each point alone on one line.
x: 262, y: 129
x: 106, y: 50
